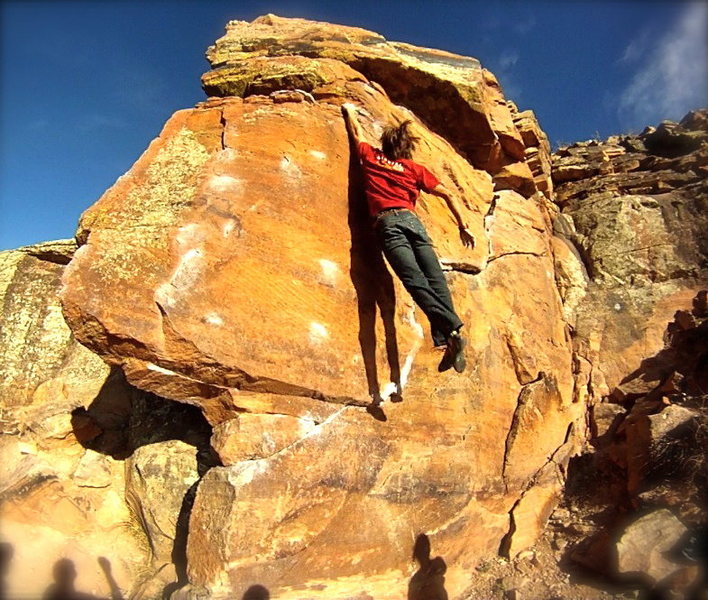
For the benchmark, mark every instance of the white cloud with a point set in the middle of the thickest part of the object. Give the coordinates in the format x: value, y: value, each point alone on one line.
x: 673, y: 79
x: 94, y: 121
x: 525, y: 25
x: 504, y: 70
x: 508, y: 59
x: 637, y: 47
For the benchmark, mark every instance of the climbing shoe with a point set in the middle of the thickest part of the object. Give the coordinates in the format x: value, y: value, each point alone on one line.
x: 454, y: 353
x: 446, y: 361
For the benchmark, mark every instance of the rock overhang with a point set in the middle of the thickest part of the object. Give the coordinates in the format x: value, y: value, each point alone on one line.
x: 453, y: 94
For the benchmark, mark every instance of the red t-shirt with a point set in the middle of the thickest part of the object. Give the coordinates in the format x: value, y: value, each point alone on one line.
x: 392, y: 183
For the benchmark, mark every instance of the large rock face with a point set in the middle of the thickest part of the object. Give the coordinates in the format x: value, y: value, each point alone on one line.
x: 233, y: 268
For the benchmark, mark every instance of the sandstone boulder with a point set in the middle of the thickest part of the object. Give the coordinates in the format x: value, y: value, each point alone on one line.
x: 156, y: 488
x: 270, y: 420
x: 233, y: 269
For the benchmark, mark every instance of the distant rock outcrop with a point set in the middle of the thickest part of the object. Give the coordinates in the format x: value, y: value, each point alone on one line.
x: 231, y: 284
x: 636, y: 209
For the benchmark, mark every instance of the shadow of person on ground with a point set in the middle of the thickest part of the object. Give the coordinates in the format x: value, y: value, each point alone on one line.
x: 64, y: 586
x: 428, y: 582
x: 256, y: 592
x: 374, y: 288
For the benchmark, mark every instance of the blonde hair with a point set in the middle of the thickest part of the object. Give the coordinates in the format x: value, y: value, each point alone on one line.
x: 397, y: 141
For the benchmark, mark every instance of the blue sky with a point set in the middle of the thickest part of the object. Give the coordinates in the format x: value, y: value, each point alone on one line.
x: 86, y: 85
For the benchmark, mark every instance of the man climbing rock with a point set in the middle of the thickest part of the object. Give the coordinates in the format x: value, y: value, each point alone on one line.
x: 393, y: 183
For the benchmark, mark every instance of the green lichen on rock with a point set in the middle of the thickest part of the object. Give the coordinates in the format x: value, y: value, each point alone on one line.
x: 169, y: 184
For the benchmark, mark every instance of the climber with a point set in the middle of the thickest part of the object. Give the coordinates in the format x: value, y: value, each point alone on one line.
x: 393, y: 182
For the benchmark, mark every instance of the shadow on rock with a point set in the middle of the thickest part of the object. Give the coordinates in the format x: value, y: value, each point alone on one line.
x: 6, y: 552
x: 375, y: 410
x: 179, y: 549
x: 428, y: 582
x: 256, y: 592
x: 374, y: 288
x: 686, y: 351
x: 123, y: 418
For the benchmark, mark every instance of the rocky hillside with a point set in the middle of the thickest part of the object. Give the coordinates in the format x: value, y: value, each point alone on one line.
x: 636, y: 209
x: 223, y: 393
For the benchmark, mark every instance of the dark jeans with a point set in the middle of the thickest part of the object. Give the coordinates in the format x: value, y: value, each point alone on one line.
x: 410, y: 253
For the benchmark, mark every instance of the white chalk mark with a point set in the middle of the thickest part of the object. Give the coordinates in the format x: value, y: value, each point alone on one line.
x: 318, y: 154
x: 306, y: 425
x: 213, y: 319
x: 330, y: 272
x: 244, y: 472
x: 226, y: 155
x: 163, y: 295
x: 189, y: 255
x: 388, y: 389
x: 188, y: 269
x: 159, y: 369
x: 417, y: 327
x: 224, y: 183
x: 187, y: 233
x: 290, y: 168
x: 318, y: 332
x: 408, y: 363
x: 229, y: 227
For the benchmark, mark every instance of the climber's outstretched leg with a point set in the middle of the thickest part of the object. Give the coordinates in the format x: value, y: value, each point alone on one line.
x: 409, y: 251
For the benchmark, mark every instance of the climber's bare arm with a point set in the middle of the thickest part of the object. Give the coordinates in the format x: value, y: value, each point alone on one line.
x: 442, y: 192
x: 350, y: 118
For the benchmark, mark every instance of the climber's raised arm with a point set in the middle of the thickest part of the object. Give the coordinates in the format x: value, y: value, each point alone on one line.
x: 465, y: 235
x: 350, y: 118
